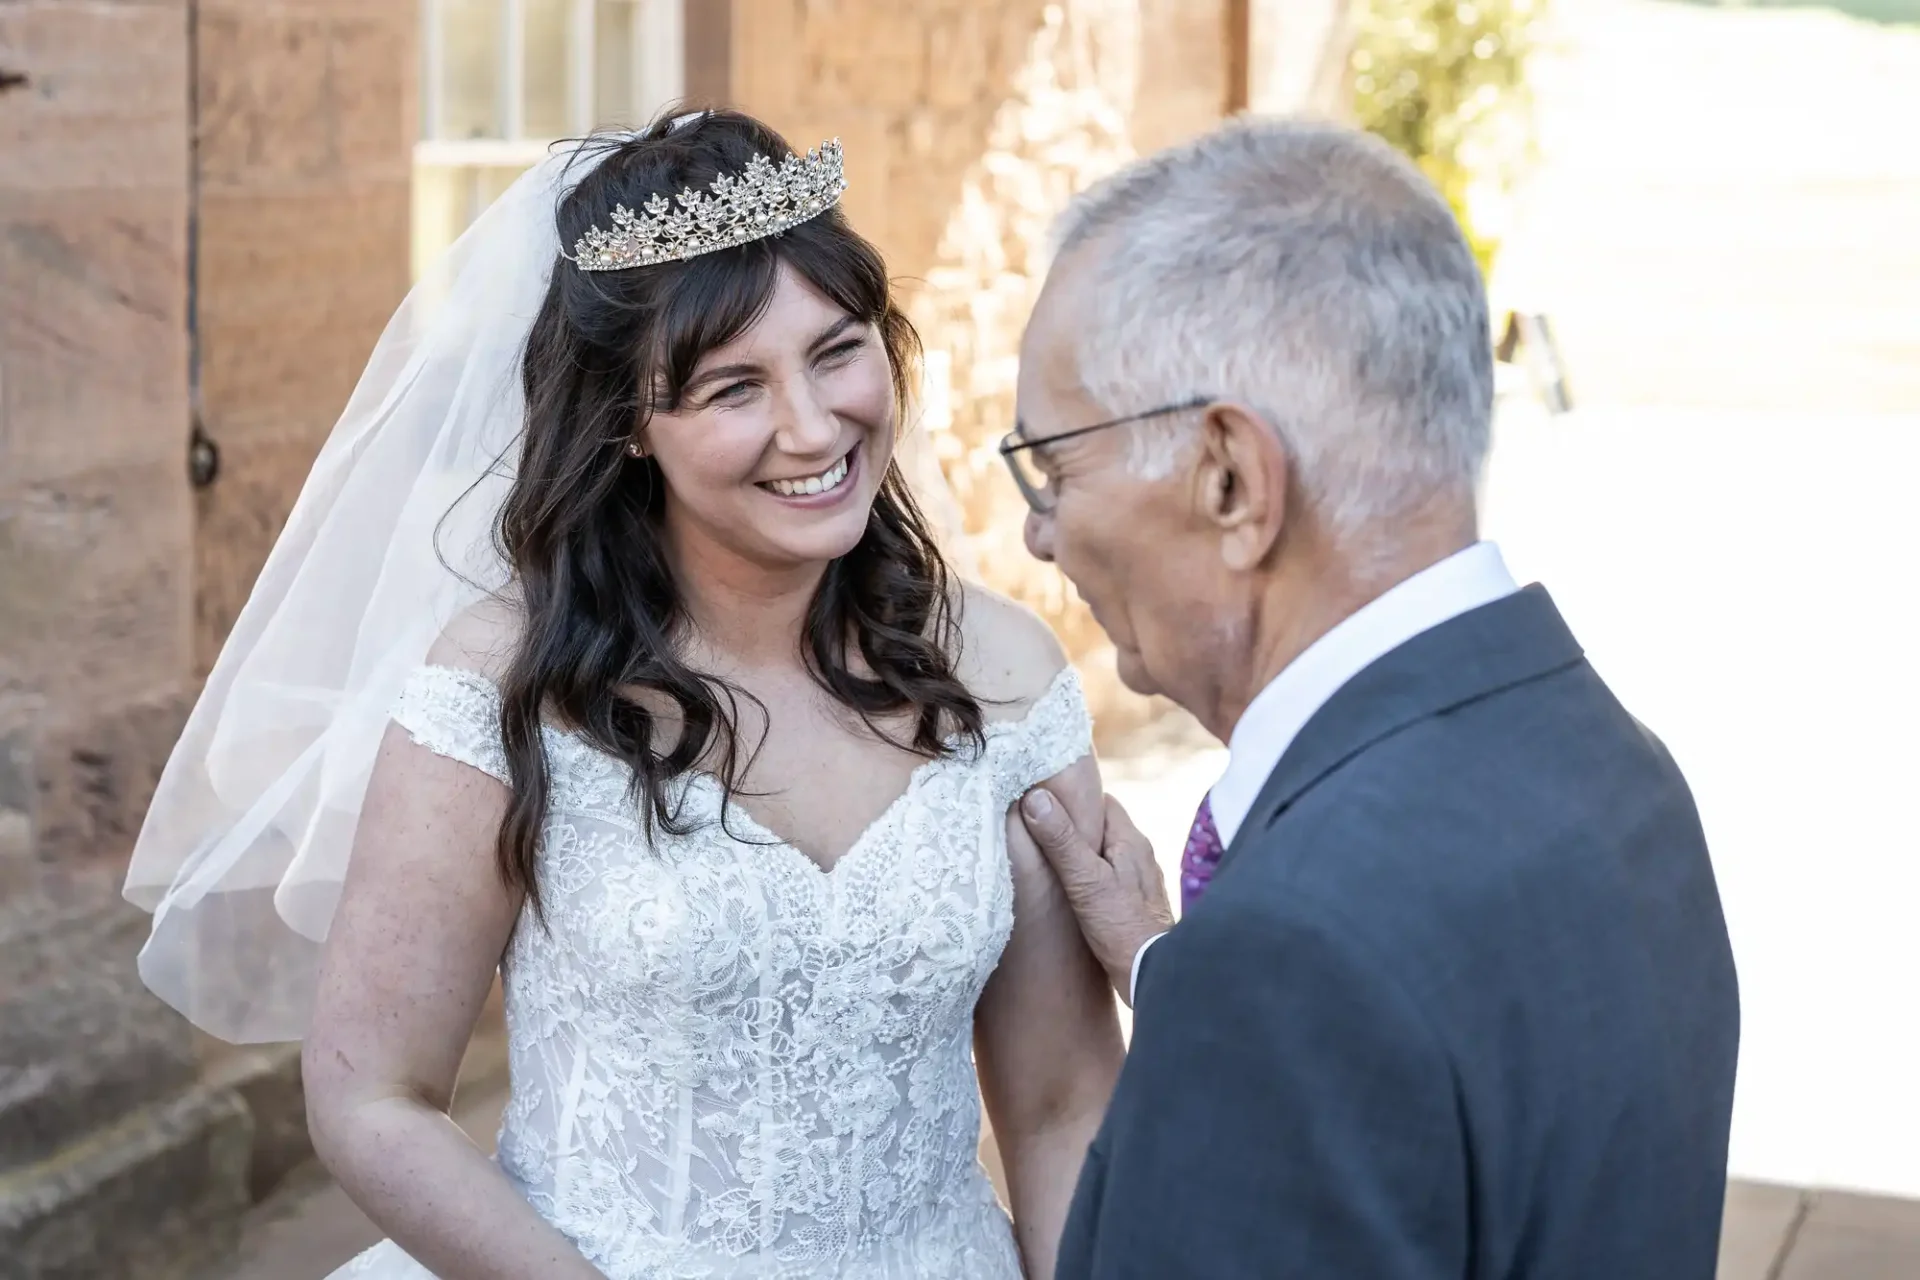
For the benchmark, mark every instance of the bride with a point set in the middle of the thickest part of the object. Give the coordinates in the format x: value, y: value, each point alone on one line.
x: 607, y: 650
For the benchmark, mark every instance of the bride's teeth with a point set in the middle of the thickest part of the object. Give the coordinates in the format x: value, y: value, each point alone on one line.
x: 826, y: 480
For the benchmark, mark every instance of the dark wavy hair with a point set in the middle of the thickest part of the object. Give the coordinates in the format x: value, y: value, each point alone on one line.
x: 583, y: 529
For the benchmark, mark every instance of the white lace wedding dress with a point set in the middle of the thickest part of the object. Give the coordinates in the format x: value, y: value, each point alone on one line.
x: 727, y: 1062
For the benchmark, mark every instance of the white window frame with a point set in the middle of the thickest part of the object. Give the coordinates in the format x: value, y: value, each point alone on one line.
x: 658, y: 61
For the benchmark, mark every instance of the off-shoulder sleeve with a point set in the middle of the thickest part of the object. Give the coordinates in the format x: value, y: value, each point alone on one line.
x: 456, y: 714
x: 1056, y: 731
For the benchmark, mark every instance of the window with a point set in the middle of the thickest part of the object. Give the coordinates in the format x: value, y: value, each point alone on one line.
x: 503, y: 79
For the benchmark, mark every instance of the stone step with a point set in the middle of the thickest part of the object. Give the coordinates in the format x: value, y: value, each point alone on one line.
x: 157, y: 1196
x: 116, y: 1160
x: 81, y: 1042
x: 309, y: 1227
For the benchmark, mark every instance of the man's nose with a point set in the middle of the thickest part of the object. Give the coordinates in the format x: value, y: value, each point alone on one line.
x: 1039, y: 535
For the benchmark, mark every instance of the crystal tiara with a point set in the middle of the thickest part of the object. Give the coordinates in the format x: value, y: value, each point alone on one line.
x: 763, y: 200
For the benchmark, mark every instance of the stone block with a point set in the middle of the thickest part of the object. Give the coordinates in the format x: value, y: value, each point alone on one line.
x: 307, y: 1231
x: 265, y: 105
x: 766, y: 76
x: 95, y: 586
x: 97, y: 775
x: 295, y: 287
x: 294, y: 93
x: 93, y: 348
x: 708, y: 48
x: 239, y: 517
x: 105, y: 105
x: 930, y: 156
x: 158, y: 1196
x: 267, y: 1079
x: 967, y: 61
x: 1183, y: 67
x: 311, y: 8
x: 82, y: 1043
x: 372, y: 83
x: 876, y: 60
x: 19, y: 730
x: 311, y: 1227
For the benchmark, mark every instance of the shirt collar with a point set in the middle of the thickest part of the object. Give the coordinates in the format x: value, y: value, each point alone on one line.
x: 1459, y: 584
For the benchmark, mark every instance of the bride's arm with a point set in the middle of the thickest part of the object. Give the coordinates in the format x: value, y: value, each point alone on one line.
x: 422, y: 921
x: 1047, y: 1036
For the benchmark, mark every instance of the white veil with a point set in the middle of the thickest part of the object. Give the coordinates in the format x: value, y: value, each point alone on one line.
x: 243, y: 852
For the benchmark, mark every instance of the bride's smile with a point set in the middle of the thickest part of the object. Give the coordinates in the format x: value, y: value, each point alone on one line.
x: 775, y: 447
x: 821, y: 484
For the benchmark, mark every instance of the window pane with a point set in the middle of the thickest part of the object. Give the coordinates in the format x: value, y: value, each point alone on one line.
x: 546, y: 68
x: 469, y: 68
x: 490, y: 184
x: 446, y: 200
x: 439, y: 212
x: 613, y: 63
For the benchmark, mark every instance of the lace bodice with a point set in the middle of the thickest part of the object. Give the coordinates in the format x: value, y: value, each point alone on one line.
x: 726, y: 1061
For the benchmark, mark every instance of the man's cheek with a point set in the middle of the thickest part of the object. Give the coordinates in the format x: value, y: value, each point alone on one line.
x: 1071, y: 558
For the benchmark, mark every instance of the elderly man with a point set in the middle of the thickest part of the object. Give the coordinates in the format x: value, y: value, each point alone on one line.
x: 1451, y: 995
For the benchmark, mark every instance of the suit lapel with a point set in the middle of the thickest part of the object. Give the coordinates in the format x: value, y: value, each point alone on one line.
x: 1481, y: 652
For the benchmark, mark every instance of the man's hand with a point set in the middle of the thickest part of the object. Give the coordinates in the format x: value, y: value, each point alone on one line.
x: 1116, y: 891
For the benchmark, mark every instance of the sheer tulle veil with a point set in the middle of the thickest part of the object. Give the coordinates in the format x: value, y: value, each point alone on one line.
x: 244, y: 849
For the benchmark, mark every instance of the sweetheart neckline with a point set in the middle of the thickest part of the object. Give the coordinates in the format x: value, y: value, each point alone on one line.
x: 827, y: 873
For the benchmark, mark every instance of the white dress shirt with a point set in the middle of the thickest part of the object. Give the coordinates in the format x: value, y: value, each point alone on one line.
x: 1459, y: 584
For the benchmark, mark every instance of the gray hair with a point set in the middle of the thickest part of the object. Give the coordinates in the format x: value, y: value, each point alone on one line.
x: 1311, y: 273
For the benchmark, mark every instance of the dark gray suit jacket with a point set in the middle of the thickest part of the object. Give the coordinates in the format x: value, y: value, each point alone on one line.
x: 1459, y: 1004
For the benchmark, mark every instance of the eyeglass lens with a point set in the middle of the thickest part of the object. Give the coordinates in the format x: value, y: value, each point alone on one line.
x: 1031, y: 479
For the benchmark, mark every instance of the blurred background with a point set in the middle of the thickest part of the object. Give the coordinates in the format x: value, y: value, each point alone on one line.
x: 1701, y: 227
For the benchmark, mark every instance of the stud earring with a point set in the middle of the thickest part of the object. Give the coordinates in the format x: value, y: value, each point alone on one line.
x: 633, y: 449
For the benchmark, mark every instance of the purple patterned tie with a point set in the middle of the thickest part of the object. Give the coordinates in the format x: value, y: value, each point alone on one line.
x: 1200, y: 857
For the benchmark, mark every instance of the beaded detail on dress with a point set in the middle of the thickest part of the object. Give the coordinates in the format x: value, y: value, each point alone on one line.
x: 726, y: 1061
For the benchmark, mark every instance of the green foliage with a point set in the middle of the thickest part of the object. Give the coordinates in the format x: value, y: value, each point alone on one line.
x: 1445, y: 83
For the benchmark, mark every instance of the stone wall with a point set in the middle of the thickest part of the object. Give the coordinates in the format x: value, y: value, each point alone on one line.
x: 968, y: 126
x: 307, y: 115
x: 95, y: 520
x: 112, y: 1160
x: 123, y: 1151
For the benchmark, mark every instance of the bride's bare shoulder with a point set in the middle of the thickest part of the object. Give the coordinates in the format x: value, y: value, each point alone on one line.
x: 480, y: 638
x: 1008, y: 655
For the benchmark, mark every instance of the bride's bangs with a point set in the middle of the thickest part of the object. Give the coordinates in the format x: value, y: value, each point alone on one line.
x: 711, y: 300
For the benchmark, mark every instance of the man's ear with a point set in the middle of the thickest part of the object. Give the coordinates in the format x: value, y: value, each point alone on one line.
x: 1241, y: 483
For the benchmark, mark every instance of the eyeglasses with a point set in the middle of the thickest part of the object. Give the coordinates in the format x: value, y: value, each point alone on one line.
x: 1032, y: 481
